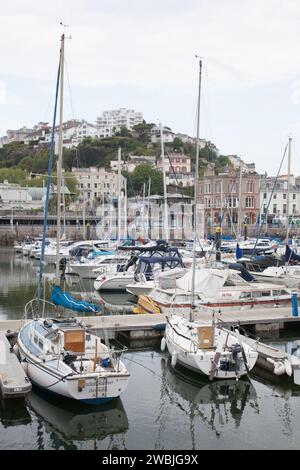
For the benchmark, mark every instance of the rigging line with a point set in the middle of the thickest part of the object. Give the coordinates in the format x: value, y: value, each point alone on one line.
x: 70, y: 91
x: 143, y: 366
x: 174, y: 173
x: 50, y: 166
x: 270, y: 198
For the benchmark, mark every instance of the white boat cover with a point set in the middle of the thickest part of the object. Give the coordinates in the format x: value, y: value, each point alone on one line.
x: 207, y: 281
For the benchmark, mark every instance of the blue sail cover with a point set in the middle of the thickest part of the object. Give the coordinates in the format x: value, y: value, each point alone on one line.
x: 238, y: 252
x: 59, y: 297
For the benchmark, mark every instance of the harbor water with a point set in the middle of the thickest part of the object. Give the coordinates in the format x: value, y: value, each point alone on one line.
x: 162, y: 408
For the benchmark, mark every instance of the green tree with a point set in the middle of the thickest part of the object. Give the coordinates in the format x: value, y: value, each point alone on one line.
x: 141, y: 175
x: 177, y: 144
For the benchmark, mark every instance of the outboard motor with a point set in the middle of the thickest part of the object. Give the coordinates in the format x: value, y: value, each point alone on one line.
x: 235, y: 350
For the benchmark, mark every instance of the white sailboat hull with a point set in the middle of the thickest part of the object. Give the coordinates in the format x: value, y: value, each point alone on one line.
x: 55, y: 376
x: 97, y: 389
x: 184, y: 351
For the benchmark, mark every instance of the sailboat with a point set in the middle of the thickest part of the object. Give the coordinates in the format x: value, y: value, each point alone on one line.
x: 60, y: 354
x: 209, y: 349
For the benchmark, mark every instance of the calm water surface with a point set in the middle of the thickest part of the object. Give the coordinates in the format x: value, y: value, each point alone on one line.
x: 161, y: 408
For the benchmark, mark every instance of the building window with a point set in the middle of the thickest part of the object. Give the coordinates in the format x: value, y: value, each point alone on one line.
x: 294, y: 208
x: 232, y: 202
x: 274, y: 208
x: 284, y: 196
x: 294, y: 196
x: 284, y: 208
x: 250, y: 187
x: 265, y: 195
x: 249, y: 202
x: 95, y: 185
x: 89, y: 185
x: 207, y: 188
x: 274, y: 196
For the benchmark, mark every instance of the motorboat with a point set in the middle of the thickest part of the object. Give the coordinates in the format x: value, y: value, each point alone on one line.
x: 92, y: 268
x: 221, y: 288
x: 117, y: 281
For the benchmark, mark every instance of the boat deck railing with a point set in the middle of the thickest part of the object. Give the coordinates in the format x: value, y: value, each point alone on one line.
x: 40, y: 308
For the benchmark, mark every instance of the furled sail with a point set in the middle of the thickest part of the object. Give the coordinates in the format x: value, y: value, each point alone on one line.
x: 60, y: 297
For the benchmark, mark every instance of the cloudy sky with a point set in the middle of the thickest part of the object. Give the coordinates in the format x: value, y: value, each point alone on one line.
x: 141, y: 54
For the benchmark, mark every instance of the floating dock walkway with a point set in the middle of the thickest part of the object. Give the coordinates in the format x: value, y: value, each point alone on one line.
x: 13, y: 380
x: 261, y: 319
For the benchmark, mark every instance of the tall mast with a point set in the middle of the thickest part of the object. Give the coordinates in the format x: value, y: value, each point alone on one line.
x: 50, y: 164
x: 143, y: 211
x: 59, y: 162
x: 119, y: 195
x: 148, y: 210
x: 165, y: 183
x: 288, y: 191
x: 239, y: 228
x: 196, y: 194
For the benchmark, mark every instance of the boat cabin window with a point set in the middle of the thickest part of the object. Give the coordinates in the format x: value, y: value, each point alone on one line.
x: 277, y: 292
x: 266, y: 293
x: 245, y: 295
x: 41, y: 344
x: 256, y: 294
x: 35, y: 339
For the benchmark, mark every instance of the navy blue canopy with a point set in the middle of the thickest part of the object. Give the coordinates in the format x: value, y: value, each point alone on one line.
x: 290, y: 255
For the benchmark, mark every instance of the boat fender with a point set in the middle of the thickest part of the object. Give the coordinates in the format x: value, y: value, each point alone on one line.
x: 174, y: 359
x: 16, y: 350
x: 163, y: 344
x: 24, y: 365
x: 279, y: 368
x: 288, y: 367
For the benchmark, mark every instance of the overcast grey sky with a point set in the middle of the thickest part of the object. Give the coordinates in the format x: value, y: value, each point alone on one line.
x: 141, y: 54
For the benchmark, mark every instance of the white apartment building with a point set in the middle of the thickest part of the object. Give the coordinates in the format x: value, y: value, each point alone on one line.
x: 112, y: 121
x: 168, y: 135
x: 73, y: 133
x: 97, y: 184
x: 15, y: 135
x: 274, y: 197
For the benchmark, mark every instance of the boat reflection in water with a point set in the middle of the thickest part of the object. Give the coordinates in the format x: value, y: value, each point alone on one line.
x: 224, y: 398
x: 77, y: 422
